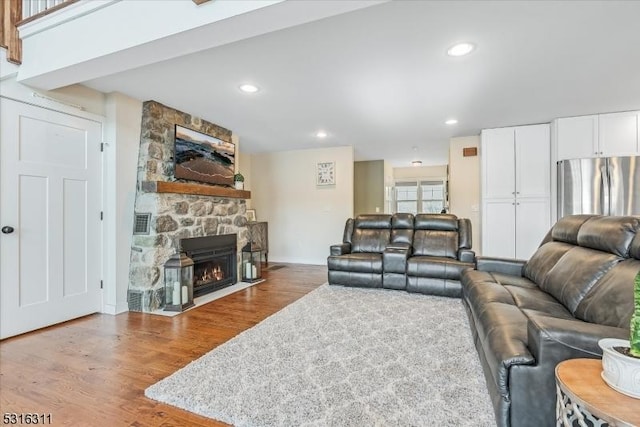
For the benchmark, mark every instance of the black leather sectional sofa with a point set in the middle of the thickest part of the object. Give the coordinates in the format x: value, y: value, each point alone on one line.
x: 424, y: 253
x: 526, y: 317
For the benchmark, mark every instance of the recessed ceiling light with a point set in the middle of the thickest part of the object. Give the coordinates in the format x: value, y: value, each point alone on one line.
x: 321, y: 134
x: 416, y: 163
x: 451, y: 122
x: 249, y: 88
x: 461, y: 49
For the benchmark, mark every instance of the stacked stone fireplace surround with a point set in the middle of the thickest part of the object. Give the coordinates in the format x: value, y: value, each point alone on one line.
x: 173, y: 216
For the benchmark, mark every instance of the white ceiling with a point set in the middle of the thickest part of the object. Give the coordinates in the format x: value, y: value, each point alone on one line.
x: 379, y: 78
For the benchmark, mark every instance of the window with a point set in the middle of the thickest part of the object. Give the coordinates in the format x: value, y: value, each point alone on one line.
x: 420, y: 196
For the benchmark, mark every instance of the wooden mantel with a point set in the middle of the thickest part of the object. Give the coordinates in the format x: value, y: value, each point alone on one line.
x: 197, y: 189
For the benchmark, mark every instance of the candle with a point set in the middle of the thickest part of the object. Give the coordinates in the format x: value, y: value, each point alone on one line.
x: 176, y: 293
x: 254, y: 272
x: 247, y: 270
x: 185, y: 294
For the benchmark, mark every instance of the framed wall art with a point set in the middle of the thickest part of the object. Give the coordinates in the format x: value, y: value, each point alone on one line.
x: 326, y: 173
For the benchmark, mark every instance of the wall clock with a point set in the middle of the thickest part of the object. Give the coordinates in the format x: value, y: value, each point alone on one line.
x: 326, y: 173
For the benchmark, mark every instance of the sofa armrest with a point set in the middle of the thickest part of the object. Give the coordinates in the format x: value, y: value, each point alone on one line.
x: 394, y: 259
x: 553, y: 340
x: 509, y: 266
x: 466, y: 255
x: 341, y: 249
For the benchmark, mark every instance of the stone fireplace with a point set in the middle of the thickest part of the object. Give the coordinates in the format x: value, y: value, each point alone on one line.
x: 176, y: 216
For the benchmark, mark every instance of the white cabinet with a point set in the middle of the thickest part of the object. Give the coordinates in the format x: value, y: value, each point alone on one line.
x: 498, y: 156
x: 577, y: 137
x: 516, y: 187
x: 618, y: 134
x: 603, y: 135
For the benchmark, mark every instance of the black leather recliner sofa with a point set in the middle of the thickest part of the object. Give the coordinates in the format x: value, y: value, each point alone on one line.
x: 424, y: 253
x: 526, y: 317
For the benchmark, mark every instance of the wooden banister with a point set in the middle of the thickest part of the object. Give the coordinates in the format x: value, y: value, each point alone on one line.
x: 11, y: 18
x: 11, y: 14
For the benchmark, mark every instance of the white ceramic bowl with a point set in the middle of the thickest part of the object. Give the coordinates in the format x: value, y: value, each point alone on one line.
x: 621, y: 372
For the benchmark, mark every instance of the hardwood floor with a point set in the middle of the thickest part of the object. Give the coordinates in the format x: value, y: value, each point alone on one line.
x: 93, y: 371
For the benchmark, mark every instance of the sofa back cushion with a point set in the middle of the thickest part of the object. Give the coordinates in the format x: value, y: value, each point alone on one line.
x: 402, y: 229
x: 612, y: 234
x: 436, y: 235
x: 566, y: 229
x: 573, y: 276
x: 371, y: 233
x: 610, y: 301
x: 543, y: 260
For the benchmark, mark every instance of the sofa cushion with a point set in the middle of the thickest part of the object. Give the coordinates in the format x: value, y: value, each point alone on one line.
x: 610, y: 301
x: 356, y: 262
x: 609, y: 234
x: 436, y: 243
x: 444, y: 222
x: 443, y: 268
x: 535, y: 299
x: 543, y: 260
x: 566, y: 229
x: 574, y: 276
x: 371, y: 233
x: 402, y: 229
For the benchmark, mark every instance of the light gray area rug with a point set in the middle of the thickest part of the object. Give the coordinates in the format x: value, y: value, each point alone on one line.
x: 342, y: 357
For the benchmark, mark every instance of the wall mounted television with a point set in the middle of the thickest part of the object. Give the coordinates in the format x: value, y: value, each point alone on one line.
x: 203, y: 158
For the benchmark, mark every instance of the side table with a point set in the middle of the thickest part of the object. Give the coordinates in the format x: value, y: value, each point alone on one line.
x: 584, y: 399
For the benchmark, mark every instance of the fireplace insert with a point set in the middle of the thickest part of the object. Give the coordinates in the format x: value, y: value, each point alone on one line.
x: 215, y: 262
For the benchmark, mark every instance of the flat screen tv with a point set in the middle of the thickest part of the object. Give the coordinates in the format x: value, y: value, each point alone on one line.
x: 200, y: 157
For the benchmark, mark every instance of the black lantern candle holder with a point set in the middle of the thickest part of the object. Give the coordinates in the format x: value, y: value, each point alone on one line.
x: 251, y: 268
x: 178, y: 282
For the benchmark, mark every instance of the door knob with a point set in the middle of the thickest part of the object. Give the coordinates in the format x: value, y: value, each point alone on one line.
x: 7, y: 229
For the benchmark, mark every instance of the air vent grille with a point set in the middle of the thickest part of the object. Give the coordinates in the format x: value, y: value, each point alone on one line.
x: 141, y: 223
x: 135, y: 300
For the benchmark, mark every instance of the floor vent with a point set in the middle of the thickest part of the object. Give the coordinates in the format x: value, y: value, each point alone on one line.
x: 135, y: 300
x: 141, y: 223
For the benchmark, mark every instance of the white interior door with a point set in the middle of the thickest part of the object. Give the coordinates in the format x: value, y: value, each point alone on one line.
x: 50, y: 192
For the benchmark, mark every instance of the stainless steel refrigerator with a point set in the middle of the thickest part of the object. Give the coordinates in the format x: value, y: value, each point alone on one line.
x: 606, y: 186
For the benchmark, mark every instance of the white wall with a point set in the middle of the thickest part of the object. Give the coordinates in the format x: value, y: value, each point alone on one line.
x: 304, y: 219
x: 122, y: 137
x: 420, y: 172
x: 464, y: 184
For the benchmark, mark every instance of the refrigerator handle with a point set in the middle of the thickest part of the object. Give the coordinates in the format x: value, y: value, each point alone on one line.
x: 560, y: 184
x: 606, y: 191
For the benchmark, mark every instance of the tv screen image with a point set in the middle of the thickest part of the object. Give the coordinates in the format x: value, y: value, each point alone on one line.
x: 204, y: 158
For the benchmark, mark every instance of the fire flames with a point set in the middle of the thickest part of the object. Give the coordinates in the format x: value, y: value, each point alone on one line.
x: 210, y: 275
